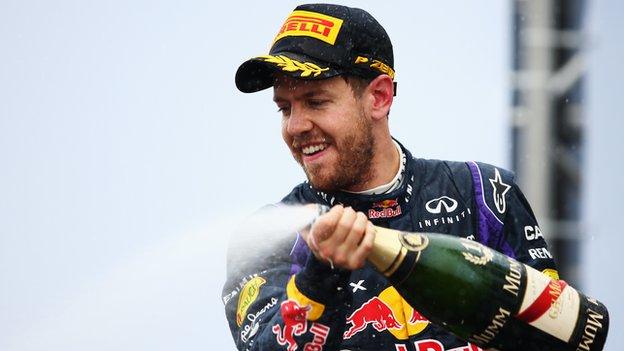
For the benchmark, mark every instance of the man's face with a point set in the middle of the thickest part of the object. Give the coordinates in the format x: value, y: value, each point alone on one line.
x: 328, y: 131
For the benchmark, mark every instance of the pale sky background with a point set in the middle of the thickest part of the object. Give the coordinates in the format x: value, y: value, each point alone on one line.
x: 127, y: 153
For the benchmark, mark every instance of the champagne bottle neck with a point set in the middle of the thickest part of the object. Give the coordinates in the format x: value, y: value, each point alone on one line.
x: 391, y: 247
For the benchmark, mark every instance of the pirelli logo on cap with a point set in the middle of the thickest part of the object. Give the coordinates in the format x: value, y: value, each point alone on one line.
x: 310, y: 24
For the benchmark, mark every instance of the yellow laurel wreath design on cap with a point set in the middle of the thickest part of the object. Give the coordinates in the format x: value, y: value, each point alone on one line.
x: 290, y: 65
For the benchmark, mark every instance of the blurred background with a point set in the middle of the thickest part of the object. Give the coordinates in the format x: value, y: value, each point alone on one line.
x: 127, y: 154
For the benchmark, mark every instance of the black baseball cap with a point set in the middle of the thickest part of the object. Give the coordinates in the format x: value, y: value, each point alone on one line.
x: 319, y: 41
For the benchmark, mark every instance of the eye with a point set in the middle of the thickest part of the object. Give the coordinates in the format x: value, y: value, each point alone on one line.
x: 317, y: 103
x: 284, y: 110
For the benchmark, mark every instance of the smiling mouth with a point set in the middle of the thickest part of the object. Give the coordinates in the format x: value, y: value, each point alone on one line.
x: 313, y: 149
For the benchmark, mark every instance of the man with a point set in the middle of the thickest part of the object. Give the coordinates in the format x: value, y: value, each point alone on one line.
x: 331, y: 69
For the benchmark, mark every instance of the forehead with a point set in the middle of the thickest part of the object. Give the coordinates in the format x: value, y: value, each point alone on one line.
x: 287, y: 86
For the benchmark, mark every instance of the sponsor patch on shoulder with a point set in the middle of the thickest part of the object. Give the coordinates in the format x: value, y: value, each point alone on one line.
x: 247, y: 296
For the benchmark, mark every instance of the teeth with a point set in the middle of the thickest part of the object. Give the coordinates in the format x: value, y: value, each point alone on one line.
x: 308, y: 150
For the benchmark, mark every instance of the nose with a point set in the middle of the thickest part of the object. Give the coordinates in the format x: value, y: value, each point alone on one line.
x: 298, y: 122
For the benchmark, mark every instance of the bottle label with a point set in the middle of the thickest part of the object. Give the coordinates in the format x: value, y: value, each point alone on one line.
x: 549, y: 305
x: 501, y: 308
x: 592, y: 331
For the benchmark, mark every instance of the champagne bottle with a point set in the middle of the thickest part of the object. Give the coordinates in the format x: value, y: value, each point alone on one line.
x: 486, y: 297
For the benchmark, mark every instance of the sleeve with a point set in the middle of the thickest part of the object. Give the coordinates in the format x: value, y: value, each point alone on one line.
x: 506, y: 220
x: 278, y: 296
x: 522, y: 234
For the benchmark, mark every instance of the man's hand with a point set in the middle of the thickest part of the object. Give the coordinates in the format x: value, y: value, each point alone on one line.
x: 341, y: 237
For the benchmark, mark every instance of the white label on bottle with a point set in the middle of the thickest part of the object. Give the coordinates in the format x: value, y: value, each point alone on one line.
x: 549, y: 305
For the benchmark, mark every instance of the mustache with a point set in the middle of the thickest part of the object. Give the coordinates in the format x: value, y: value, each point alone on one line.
x: 310, y: 139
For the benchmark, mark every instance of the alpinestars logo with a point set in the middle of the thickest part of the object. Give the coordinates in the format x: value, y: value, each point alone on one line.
x: 435, y: 206
x: 498, y: 192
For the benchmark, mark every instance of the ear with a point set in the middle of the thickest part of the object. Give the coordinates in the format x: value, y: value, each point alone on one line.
x: 381, y: 92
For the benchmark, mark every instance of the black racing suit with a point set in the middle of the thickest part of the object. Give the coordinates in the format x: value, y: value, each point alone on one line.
x: 285, y: 299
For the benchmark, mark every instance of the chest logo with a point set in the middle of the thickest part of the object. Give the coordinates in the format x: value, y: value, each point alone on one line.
x: 386, y: 312
x: 436, y: 205
x: 385, y: 209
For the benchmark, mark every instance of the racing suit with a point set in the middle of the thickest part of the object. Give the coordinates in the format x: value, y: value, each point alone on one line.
x: 286, y: 299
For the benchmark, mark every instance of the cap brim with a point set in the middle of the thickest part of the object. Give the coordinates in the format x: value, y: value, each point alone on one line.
x: 258, y: 73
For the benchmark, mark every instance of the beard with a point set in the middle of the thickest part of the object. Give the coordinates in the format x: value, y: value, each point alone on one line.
x: 354, y: 164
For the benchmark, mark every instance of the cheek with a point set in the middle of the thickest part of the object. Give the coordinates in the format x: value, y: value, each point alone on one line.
x: 287, y: 138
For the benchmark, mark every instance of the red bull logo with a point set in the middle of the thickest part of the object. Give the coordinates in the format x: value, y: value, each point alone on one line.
x: 320, y: 333
x: 389, y: 312
x: 386, y: 203
x: 435, y: 345
x: 295, y: 323
x: 374, y: 312
x: 385, y: 209
x: 417, y: 317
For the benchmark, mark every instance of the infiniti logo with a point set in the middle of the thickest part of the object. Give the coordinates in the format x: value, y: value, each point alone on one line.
x: 435, y: 206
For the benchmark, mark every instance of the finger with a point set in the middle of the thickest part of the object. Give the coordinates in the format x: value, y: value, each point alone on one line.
x: 344, y: 226
x: 365, y: 247
x: 345, y: 250
x: 322, y: 230
x: 358, y: 229
x: 324, y: 225
x: 332, y: 246
x: 309, y: 239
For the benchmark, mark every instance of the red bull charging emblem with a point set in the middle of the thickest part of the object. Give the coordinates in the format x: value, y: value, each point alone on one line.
x: 374, y: 312
x: 295, y: 324
x: 389, y: 312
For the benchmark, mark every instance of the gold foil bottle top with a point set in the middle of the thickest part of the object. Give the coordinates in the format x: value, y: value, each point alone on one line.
x: 388, y: 251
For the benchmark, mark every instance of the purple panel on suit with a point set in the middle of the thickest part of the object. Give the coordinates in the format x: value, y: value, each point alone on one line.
x: 299, y: 255
x: 490, y: 227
